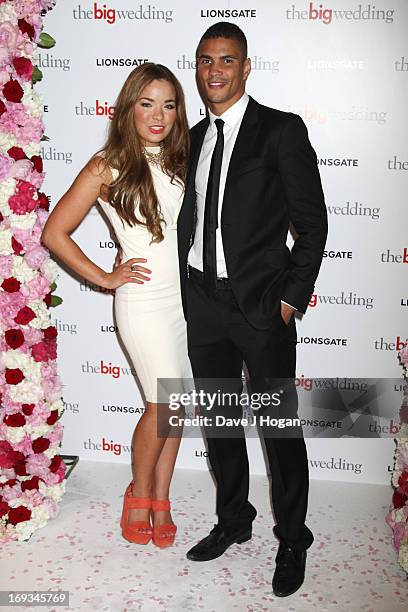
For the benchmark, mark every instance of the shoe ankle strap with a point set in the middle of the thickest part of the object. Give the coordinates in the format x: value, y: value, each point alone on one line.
x: 160, y: 504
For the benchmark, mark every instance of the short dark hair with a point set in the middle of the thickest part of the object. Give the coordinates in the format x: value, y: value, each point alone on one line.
x: 225, y: 29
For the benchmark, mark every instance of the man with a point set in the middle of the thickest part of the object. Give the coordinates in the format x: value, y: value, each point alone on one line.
x: 252, y: 172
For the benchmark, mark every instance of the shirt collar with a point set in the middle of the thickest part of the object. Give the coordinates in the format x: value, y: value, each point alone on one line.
x: 233, y: 114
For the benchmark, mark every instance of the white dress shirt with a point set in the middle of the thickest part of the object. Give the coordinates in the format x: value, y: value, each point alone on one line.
x: 232, y: 122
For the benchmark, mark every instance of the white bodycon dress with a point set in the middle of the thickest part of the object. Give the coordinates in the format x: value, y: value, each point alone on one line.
x: 150, y: 317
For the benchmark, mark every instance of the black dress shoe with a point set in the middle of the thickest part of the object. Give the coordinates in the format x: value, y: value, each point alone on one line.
x: 290, y: 570
x: 216, y: 543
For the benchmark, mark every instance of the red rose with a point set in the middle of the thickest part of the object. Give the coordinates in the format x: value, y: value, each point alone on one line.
x: 11, y: 482
x: 40, y: 445
x: 11, y: 284
x: 403, y: 483
x: 4, y: 508
x: 26, y: 28
x: 12, y: 91
x: 18, y: 515
x: 17, y: 247
x: 20, y: 468
x: 30, y: 485
x: 16, y: 153
x: 15, y: 420
x: 14, y: 338
x: 43, y: 201
x: 1, y: 217
x: 24, y: 315
x: 50, y: 332
x: 2, y: 107
x: 55, y: 463
x: 28, y: 409
x: 14, y: 376
x: 47, y: 299
x: 37, y: 163
x: 24, y: 67
x: 53, y: 417
x: 399, y: 500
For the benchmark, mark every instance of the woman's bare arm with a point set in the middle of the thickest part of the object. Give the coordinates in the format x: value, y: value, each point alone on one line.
x: 68, y: 214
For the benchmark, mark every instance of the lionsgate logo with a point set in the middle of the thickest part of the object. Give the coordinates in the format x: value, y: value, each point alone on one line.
x: 397, y: 164
x: 344, y: 299
x: 108, y: 244
x: 106, y: 14
x: 338, y: 254
x: 52, y: 154
x: 322, y: 341
x: 47, y: 60
x: 331, y: 65
x: 389, y: 257
x: 322, y: 13
x: 257, y: 63
x: 355, y: 209
x: 100, y: 109
x: 119, y: 62
x: 387, y: 345
x: 228, y: 13
x: 343, y: 162
x: 110, y: 329
x: 121, y: 409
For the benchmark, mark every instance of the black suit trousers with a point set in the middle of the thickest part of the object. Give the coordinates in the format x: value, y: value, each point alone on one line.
x: 220, y: 340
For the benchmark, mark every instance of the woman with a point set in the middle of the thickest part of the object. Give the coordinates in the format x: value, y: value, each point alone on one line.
x: 138, y: 179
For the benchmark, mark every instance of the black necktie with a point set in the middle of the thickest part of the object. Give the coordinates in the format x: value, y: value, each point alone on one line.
x: 211, y: 209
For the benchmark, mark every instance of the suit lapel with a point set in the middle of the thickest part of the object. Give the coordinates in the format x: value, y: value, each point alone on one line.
x: 196, y: 144
x: 244, y: 148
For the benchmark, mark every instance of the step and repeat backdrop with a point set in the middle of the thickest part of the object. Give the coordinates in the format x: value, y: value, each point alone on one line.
x: 342, y: 66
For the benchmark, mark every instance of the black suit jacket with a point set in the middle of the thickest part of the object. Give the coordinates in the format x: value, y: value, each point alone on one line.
x: 272, y: 180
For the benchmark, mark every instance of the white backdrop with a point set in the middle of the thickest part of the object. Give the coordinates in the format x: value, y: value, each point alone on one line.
x: 343, y: 66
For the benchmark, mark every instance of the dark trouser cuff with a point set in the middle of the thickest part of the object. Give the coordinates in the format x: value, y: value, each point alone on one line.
x: 301, y: 543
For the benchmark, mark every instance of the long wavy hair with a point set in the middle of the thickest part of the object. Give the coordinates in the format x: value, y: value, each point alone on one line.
x: 124, y: 151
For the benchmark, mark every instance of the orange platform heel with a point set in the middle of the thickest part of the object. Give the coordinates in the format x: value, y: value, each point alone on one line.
x: 158, y: 537
x: 131, y: 532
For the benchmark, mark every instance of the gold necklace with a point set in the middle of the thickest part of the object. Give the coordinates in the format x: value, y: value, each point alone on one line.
x: 156, y: 159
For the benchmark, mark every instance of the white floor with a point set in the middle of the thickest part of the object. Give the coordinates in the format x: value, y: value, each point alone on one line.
x: 351, y: 565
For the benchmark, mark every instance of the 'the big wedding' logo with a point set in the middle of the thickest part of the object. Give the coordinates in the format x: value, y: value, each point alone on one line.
x: 355, y: 209
x: 389, y: 257
x: 100, y: 109
x: 321, y: 13
x: 257, y: 63
x: 106, y: 14
x: 344, y: 299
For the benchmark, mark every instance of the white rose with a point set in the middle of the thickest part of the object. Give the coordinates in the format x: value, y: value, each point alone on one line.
x: 36, y: 431
x: 26, y: 392
x: 42, y: 319
x: 55, y: 492
x: 22, y: 271
x: 5, y: 242
x: 6, y: 140
x: 33, y: 101
x: 14, y: 434
x: 31, y: 149
x: 7, y: 189
x: 50, y: 270
x: 7, y: 13
x: 39, y: 517
x: 26, y: 221
x: 24, y: 530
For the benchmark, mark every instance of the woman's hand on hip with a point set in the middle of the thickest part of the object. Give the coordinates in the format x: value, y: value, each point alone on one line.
x: 128, y: 272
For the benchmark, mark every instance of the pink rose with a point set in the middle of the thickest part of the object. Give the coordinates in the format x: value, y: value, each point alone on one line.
x: 9, y: 38
x: 21, y: 169
x: 36, y: 256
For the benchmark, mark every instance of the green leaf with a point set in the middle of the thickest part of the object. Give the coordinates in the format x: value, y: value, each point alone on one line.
x: 37, y: 75
x: 53, y: 286
x: 46, y: 41
x: 55, y: 300
x: 44, y: 137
